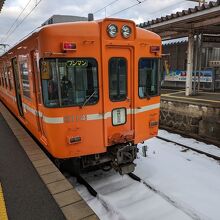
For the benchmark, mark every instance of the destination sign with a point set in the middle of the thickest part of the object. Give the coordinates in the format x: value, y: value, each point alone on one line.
x: 77, y: 63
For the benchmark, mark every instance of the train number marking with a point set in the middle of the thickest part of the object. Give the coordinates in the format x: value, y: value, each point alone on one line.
x: 74, y: 118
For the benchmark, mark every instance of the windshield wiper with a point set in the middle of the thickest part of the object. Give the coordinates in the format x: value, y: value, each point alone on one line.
x: 147, y: 94
x: 87, y: 99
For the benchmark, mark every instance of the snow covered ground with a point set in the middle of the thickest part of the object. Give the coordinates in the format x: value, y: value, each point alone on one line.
x: 187, y: 185
x: 208, y: 148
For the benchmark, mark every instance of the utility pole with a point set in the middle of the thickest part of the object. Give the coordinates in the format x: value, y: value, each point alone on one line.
x: 189, y: 64
x: 199, y: 1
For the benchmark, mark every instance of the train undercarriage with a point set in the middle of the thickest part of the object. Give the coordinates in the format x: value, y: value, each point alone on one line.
x: 119, y: 157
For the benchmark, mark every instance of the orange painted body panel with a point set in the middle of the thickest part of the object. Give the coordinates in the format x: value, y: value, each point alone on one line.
x: 55, y: 126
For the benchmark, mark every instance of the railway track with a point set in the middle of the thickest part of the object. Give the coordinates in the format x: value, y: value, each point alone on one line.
x: 190, y: 148
x: 179, y: 205
x: 123, y: 191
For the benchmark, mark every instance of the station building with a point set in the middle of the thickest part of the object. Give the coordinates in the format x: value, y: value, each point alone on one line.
x: 174, y: 64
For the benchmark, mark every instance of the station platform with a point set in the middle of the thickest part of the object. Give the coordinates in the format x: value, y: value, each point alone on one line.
x: 197, y: 116
x: 31, y: 186
x: 207, y: 98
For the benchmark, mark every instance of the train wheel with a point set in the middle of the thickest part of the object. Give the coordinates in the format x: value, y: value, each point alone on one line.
x: 59, y: 164
x: 73, y: 166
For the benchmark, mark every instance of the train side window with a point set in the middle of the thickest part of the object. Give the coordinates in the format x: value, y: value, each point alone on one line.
x: 10, y: 78
x: 23, y: 63
x: 0, y: 80
x: 5, y: 76
x: 49, y: 82
x: 117, y: 79
x: 3, y: 82
x: 148, y: 72
x: 1, y: 77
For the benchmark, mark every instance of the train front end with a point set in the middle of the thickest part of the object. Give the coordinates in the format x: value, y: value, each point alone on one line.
x: 100, y: 91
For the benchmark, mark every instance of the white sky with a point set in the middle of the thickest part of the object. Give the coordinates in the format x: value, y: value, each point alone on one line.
x: 145, y: 11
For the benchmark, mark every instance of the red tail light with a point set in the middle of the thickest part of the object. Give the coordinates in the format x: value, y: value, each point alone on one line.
x: 154, y: 49
x: 69, y: 46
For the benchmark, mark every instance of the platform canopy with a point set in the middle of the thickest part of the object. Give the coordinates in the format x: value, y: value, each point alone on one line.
x: 1, y: 4
x: 201, y: 19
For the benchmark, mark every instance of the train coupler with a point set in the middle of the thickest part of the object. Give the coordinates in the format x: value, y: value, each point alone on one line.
x: 126, y: 168
x: 124, y: 155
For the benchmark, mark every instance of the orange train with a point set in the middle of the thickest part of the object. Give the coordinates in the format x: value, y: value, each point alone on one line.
x: 88, y: 91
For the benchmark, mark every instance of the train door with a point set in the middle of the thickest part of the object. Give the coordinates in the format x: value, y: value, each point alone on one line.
x: 17, y: 86
x: 35, y: 88
x: 119, y: 99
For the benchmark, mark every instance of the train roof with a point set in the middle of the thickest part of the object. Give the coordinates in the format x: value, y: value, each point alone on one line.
x: 86, y: 28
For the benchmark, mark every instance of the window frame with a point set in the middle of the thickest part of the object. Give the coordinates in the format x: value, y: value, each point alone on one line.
x: 21, y: 75
x: 1, y: 84
x: 59, y: 97
x: 126, y: 78
x: 5, y: 76
x: 9, y: 78
x: 158, y: 80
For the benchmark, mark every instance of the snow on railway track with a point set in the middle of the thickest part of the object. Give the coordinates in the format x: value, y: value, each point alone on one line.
x: 125, y: 198
x: 215, y: 156
x: 186, y: 185
x: 208, y: 149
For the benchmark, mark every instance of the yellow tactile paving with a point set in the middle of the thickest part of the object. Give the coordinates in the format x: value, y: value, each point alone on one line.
x: 3, y: 212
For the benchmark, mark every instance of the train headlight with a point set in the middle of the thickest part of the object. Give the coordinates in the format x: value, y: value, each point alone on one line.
x: 119, y: 116
x: 126, y: 31
x: 112, y: 30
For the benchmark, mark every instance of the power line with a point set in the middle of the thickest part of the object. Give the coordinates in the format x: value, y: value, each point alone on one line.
x: 168, y: 7
x: 27, y: 35
x: 111, y: 3
x: 37, y: 3
x: 16, y: 20
x: 138, y: 3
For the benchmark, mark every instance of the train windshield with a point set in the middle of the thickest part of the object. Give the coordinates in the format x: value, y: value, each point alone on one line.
x: 69, y: 82
x: 148, y: 77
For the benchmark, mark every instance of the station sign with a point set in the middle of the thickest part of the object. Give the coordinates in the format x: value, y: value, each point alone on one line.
x: 211, y: 38
x: 180, y: 76
x: 211, y: 41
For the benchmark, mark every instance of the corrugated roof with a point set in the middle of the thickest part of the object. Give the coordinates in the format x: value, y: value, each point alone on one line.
x: 174, y: 42
x: 180, y: 14
x: 1, y: 4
